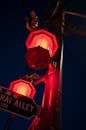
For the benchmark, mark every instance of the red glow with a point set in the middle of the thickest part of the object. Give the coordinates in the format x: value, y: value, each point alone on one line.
x: 43, y: 100
x: 44, y: 39
x: 23, y: 87
x: 51, y: 80
x: 50, y: 99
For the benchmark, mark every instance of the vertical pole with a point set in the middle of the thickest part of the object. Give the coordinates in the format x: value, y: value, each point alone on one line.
x: 62, y: 51
x: 51, y: 119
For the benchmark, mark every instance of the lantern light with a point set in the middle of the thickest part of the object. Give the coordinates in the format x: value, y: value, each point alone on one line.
x: 43, y: 39
x: 23, y: 87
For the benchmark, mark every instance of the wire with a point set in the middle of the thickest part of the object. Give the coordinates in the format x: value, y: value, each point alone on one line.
x: 75, y: 14
x: 56, y: 8
x: 73, y: 30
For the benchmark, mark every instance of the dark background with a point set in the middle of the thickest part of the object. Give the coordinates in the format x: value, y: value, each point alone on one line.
x: 12, y: 64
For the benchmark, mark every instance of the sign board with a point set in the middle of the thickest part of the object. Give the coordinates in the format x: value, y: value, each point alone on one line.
x: 17, y: 104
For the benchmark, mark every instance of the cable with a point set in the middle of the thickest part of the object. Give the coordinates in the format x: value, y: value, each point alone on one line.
x: 75, y: 14
x: 73, y: 30
x: 56, y: 8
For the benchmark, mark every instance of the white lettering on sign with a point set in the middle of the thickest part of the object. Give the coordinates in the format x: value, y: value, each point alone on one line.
x: 5, y: 98
x: 4, y: 105
x: 23, y: 105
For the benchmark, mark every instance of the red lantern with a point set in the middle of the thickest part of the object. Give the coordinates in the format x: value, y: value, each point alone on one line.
x: 44, y: 39
x: 37, y: 58
x: 23, y: 87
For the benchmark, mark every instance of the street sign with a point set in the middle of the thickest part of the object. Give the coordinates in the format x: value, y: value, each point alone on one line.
x: 17, y: 104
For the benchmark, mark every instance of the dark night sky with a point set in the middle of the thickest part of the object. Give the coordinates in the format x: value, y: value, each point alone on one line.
x: 13, y: 66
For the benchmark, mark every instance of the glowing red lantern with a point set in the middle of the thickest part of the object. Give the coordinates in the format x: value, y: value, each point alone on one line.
x: 44, y: 39
x: 23, y: 87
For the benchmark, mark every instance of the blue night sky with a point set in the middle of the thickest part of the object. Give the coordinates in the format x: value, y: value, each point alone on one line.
x: 12, y: 64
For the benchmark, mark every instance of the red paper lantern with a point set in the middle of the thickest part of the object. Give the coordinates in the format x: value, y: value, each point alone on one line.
x: 23, y: 87
x: 37, y: 58
x: 44, y: 39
